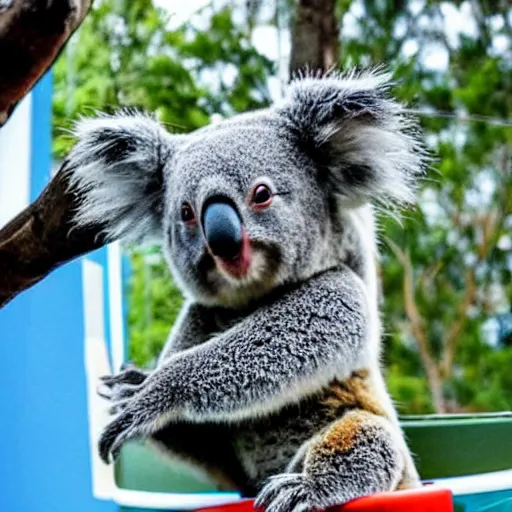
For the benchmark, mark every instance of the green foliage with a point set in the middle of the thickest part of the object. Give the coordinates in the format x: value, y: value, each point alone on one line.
x: 154, y: 303
x: 452, y: 239
x: 410, y: 392
x: 124, y: 54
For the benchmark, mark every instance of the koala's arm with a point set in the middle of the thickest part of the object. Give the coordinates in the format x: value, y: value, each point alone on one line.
x: 195, y: 325
x: 285, y: 349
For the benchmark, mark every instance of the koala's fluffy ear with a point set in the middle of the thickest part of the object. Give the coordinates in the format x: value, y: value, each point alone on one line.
x: 365, y: 144
x: 116, y: 168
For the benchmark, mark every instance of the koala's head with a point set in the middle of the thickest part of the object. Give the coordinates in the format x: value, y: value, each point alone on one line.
x: 249, y: 203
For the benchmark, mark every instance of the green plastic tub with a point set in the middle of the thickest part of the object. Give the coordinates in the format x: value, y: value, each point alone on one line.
x: 445, y: 447
x: 457, y: 445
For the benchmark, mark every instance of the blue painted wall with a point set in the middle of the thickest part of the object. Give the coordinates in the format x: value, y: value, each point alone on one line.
x: 44, y: 440
x: 126, y: 269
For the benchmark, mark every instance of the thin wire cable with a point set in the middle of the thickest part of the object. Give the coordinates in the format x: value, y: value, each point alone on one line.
x: 463, y: 118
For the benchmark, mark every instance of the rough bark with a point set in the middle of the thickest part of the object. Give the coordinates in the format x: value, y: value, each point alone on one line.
x: 41, y: 238
x: 32, y: 33
x: 315, y: 36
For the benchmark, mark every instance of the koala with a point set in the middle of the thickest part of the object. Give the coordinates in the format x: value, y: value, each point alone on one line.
x: 271, y: 379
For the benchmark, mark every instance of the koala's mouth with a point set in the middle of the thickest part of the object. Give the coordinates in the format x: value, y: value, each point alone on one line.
x: 258, y: 266
x: 234, y: 284
x: 237, y: 267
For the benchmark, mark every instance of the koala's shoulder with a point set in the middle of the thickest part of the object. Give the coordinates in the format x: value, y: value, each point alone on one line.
x: 339, y: 282
x: 330, y: 290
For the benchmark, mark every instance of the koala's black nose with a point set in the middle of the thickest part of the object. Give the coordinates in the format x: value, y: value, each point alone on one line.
x: 223, y: 230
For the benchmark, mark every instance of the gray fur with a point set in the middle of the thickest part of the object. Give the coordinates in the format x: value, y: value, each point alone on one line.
x: 308, y: 336
x: 116, y: 166
x: 250, y: 359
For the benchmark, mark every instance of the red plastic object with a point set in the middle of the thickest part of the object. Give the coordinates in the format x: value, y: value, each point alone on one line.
x: 428, y: 499
x: 420, y: 500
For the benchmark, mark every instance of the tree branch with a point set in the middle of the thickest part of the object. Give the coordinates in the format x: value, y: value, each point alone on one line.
x: 32, y: 33
x: 417, y: 330
x: 41, y: 238
x: 489, y: 224
x: 454, y: 332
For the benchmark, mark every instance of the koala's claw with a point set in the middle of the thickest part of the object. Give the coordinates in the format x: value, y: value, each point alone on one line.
x: 128, y: 375
x: 110, y: 443
x: 123, y: 428
x: 119, y: 395
x: 127, y: 365
x: 118, y: 407
x: 288, y: 492
x: 119, y: 392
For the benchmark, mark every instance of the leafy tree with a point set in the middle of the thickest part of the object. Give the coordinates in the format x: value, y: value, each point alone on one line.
x: 125, y: 55
x: 448, y: 268
x: 153, y: 306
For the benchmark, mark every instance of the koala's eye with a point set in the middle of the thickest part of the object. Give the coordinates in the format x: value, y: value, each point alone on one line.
x: 261, y: 197
x: 187, y: 213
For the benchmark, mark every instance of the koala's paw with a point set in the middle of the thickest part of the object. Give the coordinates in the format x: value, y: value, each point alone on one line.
x: 141, y: 409
x: 289, y: 492
x: 117, y: 389
x: 127, y: 425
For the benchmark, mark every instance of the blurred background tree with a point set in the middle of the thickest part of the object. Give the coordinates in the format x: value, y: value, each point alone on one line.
x: 128, y: 53
x: 446, y: 268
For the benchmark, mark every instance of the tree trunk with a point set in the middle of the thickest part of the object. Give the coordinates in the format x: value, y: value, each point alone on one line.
x: 315, y: 36
x: 435, y: 384
x: 32, y: 33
